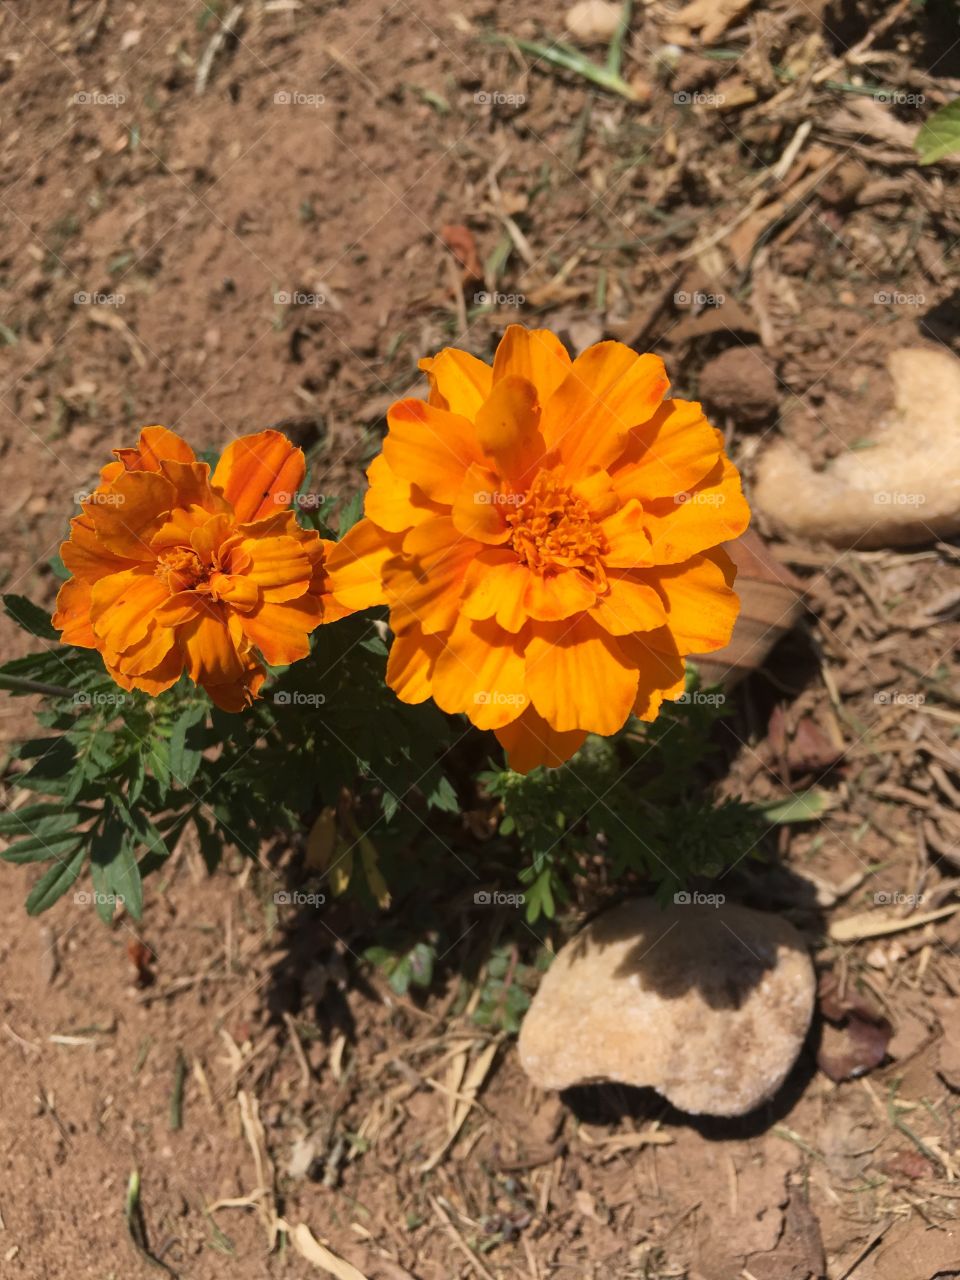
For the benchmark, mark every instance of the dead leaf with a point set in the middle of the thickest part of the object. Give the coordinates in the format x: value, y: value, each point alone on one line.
x: 907, y: 1164
x: 141, y: 957
x: 799, y: 1253
x: 771, y: 603
x: 309, y: 1247
x: 322, y: 840
x: 460, y: 241
x: 874, y: 924
x: 948, y: 1063
x: 710, y: 17
x: 856, y: 1034
x: 473, y: 1082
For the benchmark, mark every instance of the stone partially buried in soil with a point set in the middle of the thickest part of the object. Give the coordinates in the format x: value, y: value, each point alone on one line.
x: 709, y: 1005
x: 902, y: 490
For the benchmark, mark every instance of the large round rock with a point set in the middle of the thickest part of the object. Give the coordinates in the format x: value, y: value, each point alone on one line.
x: 709, y: 1005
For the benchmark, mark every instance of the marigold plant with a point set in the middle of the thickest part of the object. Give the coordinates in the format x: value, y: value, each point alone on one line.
x: 176, y: 569
x: 546, y: 533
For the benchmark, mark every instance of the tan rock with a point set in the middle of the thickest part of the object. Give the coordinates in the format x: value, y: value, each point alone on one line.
x: 593, y: 20
x: 709, y: 1005
x: 903, y: 490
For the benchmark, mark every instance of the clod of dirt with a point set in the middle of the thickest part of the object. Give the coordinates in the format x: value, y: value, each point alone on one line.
x: 855, y: 1035
x: 593, y: 21
x: 741, y: 382
x: 709, y: 1005
x: 903, y: 490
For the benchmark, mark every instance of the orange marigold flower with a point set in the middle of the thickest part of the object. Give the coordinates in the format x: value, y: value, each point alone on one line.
x: 545, y: 533
x: 176, y: 569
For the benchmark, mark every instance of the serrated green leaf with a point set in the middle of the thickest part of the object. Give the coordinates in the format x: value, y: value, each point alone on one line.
x: 52, y: 886
x: 50, y: 759
x: 30, y: 617
x: 939, y: 136
x: 113, y: 865
x: 443, y: 796
x: 185, y: 755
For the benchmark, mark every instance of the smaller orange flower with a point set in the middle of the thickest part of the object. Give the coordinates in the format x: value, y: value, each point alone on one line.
x: 176, y: 569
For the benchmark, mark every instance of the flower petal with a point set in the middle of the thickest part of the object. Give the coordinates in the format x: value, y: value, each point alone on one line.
x: 259, y: 473
x: 480, y: 509
x: 278, y: 565
x: 535, y: 354
x: 430, y: 447
x: 494, y: 587
x: 425, y: 582
x: 236, y: 590
x: 458, y: 381
x: 72, y: 616
x: 191, y: 480
x: 669, y: 454
x: 629, y: 605
x: 282, y: 631
x: 713, y: 511
x: 660, y: 667
x: 156, y: 444
x: 393, y: 503
x: 609, y: 390
x: 85, y: 555
x: 579, y: 677
x: 411, y: 663
x: 148, y: 653
x: 209, y: 650
x: 554, y: 596
x: 355, y: 565
x: 627, y: 540
x: 529, y: 741
x: 126, y: 516
x: 122, y: 608
x: 481, y: 671
x: 701, y: 604
x: 508, y: 429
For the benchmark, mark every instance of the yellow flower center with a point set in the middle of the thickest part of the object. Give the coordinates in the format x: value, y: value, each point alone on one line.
x: 552, y: 529
x: 181, y: 569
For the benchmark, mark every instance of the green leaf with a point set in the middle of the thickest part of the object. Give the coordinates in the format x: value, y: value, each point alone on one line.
x: 350, y: 513
x: 37, y: 849
x: 443, y: 796
x: 185, y: 755
x: 113, y: 864
x: 52, y: 886
x: 58, y: 567
x: 939, y: 136
x: 30, y: 617
x: 808, y: 806
x: 23, y: 821
x: 52, y: 758
x: 540, y: 897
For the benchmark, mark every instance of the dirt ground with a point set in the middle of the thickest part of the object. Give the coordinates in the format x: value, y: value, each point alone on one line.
x: 226, y: 217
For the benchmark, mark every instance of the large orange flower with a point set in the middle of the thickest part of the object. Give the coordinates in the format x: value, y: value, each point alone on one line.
x: 176, y: 569
x: 546, y: 535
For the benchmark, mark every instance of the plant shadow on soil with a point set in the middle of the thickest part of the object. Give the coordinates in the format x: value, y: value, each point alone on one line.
x: 321, y: 967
